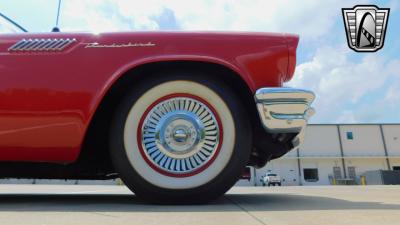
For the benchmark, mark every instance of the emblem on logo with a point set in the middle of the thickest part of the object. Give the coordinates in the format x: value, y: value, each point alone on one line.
x: 365, y: 27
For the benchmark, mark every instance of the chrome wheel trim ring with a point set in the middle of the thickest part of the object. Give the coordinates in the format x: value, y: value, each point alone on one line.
x: 179, y: 135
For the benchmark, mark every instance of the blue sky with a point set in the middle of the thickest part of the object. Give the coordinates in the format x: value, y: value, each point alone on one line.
x: 351, y: 87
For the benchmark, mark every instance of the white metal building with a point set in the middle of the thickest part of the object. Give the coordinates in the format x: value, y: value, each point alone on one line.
x: 340, y: 151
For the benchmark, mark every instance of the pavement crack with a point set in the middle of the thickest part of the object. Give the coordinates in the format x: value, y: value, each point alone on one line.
x: 245, y: 210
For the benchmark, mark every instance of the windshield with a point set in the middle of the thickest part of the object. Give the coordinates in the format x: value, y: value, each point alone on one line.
x: 7, y: 26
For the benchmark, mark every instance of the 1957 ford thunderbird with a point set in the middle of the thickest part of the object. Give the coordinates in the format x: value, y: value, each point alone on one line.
x: 176, y: 115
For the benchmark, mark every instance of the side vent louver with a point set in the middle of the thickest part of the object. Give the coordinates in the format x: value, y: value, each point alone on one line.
x: 36, y: 45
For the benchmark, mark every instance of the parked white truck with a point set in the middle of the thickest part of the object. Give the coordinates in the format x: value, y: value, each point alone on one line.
x: 271, y: 179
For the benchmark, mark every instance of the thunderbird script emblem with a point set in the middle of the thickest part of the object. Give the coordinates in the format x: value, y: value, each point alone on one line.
x: 365, y: 27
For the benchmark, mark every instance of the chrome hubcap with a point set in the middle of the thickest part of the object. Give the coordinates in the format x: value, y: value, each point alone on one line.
x: 180, y: 135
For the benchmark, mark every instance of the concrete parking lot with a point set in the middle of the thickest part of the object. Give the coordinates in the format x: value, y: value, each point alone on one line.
x: 95, y: 204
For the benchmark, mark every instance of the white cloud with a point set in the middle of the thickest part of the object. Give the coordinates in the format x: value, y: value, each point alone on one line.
x: 347, y: 116
x: 89, y: 16
x: 341, y: 84
x: 310, y: 19
x: 392, y: 96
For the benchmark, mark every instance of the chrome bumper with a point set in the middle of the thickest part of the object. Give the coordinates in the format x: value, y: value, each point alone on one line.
x: 285, y: 110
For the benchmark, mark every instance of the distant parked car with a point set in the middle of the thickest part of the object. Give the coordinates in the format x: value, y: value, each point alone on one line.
x: 271, y: 179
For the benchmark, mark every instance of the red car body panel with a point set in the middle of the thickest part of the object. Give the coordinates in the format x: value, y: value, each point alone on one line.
x: 47, y: 99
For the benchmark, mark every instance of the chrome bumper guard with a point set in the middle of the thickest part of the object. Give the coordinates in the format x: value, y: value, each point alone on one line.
x: 285, y: 110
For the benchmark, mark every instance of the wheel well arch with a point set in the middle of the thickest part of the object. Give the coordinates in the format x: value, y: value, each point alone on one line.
x: 95, y: 152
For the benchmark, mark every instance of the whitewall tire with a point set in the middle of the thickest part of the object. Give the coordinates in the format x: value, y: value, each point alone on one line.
x: 176, y: 137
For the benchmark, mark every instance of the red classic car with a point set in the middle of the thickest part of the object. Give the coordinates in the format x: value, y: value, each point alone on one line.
x: 176, y: 115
